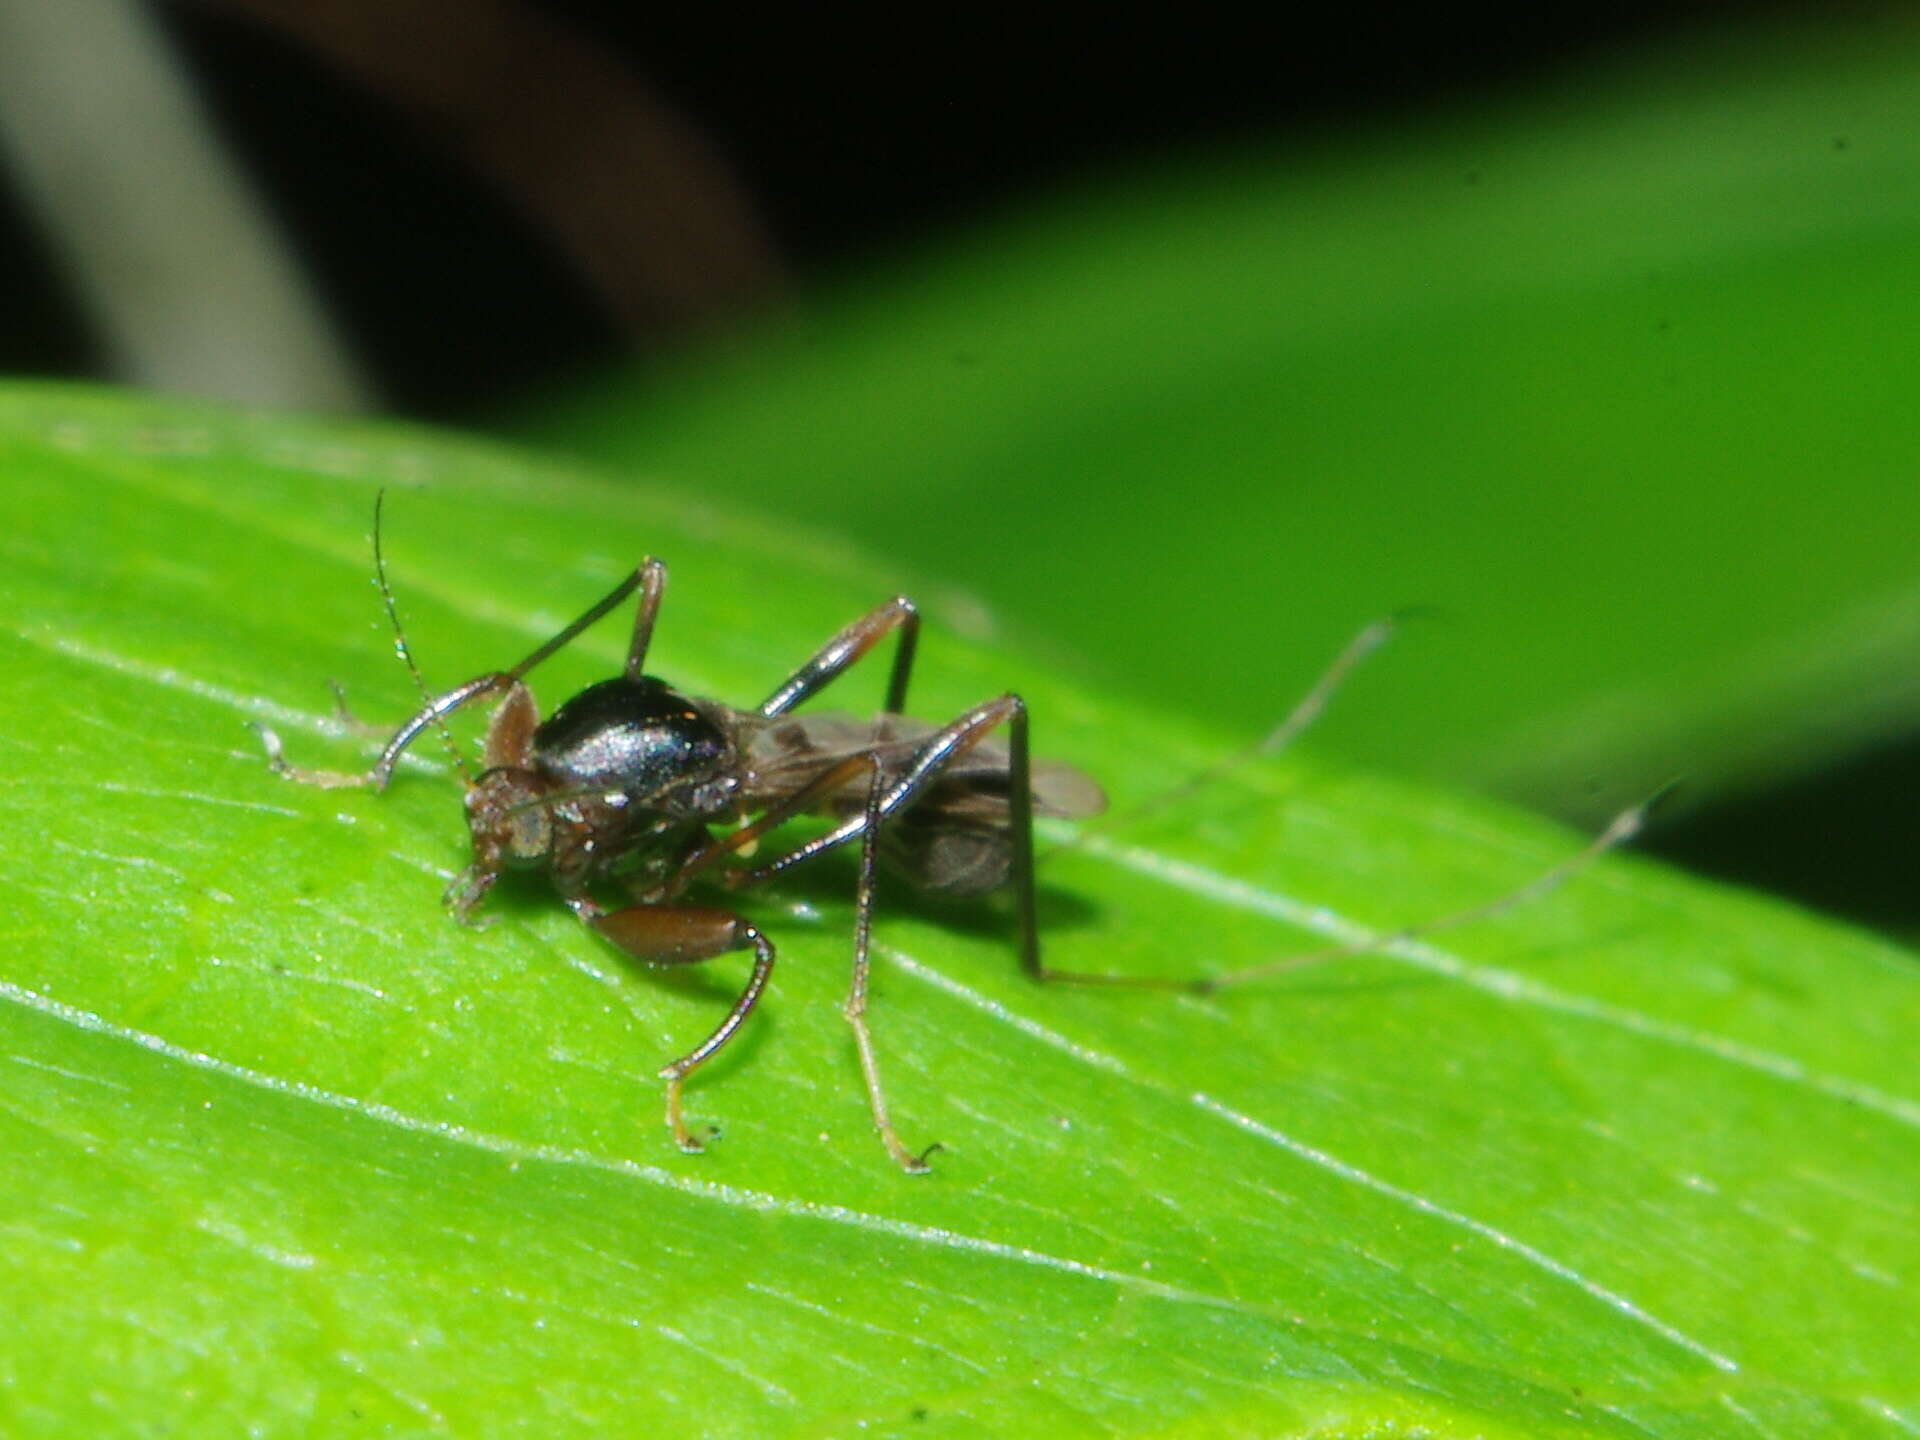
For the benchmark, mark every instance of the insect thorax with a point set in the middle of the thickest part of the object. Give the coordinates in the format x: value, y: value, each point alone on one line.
x: 638, y: 738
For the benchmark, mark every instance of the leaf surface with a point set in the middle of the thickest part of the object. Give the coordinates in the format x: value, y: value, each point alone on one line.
x: 288, y: 1149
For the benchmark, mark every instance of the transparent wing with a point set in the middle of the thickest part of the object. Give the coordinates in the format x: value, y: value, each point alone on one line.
x: 785, y: 753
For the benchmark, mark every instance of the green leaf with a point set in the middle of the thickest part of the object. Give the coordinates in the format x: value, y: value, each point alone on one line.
x: 1616, y: 375
x: 288, y: 1150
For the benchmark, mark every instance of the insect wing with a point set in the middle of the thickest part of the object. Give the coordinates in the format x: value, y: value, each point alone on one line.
x: 786, y: 754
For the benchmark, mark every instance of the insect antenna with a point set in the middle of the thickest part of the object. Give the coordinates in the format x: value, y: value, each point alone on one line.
x: 400, y: 641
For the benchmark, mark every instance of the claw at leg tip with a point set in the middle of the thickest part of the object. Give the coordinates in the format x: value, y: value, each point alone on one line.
x: 917, y: 1164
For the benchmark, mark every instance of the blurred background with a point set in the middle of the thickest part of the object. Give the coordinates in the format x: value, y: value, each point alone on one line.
x: 1176, y: 346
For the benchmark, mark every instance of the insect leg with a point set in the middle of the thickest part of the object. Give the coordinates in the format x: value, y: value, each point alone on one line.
x: 801, y: 800
x: 844, y: 649
x: 855, y: 1006
x: 685, y: 935
x: 867, y: 826
x: 433, y: 712
x: 651, y: 574
x: 652, y: 578
x: 1622, y: 828
x: 939, y: 751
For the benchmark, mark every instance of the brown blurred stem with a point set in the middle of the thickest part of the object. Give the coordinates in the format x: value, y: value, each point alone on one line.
x: 645, y: 207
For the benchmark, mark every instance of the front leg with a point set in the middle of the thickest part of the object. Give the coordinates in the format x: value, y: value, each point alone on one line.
x: 685, y: 935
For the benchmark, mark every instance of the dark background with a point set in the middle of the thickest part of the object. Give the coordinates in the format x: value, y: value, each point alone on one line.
x: 852, y: 142
x: 846, y: 143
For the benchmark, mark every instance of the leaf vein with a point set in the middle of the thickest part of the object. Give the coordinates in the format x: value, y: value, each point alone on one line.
x: 1208, y: 1105
x: 1505, y: 984
x: 456, y: 1134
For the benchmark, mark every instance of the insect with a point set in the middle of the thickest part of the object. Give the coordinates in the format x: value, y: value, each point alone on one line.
x: 635, y: 787
x: 626, y: 783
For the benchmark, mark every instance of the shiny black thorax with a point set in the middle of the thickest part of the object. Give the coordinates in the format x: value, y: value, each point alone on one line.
x: 639, y: 739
